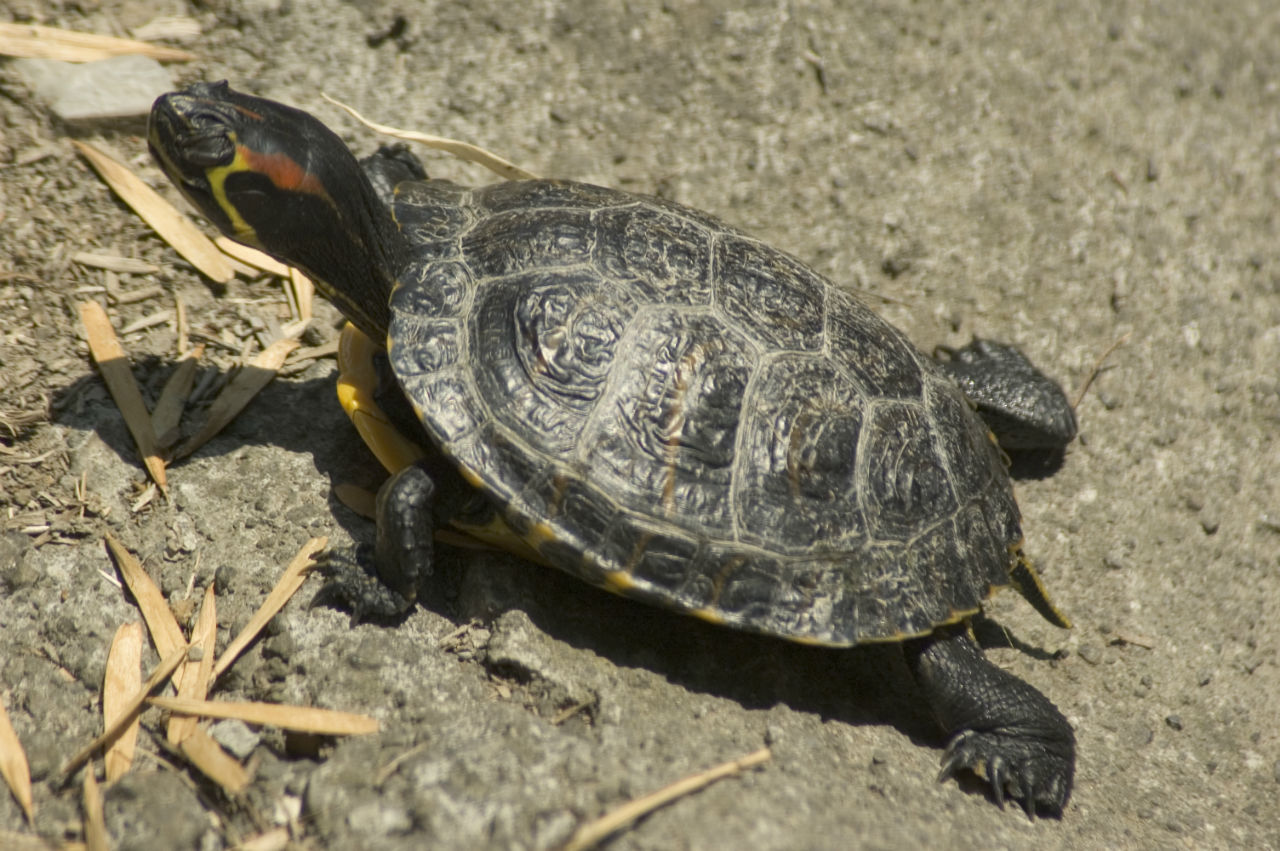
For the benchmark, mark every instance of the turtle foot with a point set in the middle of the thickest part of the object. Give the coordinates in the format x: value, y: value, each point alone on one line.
x: 350, y: 587
x: 1032, y: 772
x: 1001, y: 728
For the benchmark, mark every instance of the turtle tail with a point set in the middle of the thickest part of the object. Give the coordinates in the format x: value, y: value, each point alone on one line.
x: 1024, y: 578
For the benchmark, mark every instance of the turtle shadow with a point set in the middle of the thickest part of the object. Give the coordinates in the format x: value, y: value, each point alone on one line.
x: 298, y: 414
x: 860, y: 685
x: 864, y: 685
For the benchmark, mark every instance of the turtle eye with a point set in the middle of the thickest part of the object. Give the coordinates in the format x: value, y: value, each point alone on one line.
x: 208, y: 149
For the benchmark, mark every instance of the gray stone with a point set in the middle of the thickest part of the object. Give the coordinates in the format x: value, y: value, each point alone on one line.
x: 108, y: 91
x: 236, y: 736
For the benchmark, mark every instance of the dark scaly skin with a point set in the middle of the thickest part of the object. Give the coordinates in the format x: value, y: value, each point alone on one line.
x: 1021, y: 406
x: 653, y: 402
x: 999, y: 726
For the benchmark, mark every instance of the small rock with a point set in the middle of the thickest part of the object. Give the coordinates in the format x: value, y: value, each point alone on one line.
x: 377, y: 818
x: 1174, y: 722
x: 108, y: 91
x: 280, y: 646
x: 182, y: 536
x: 225, y: 579
x: 1210, y: 521
x: 16, y: 572
x: 1117, y: 560
x: 895, y: 265
x: 236, y: 736
x: 1142, y: 735
x: 367, y: 655
x: 1090, y: 654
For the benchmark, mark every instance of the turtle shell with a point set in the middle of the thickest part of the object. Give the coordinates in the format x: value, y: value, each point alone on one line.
x: 675, y: 411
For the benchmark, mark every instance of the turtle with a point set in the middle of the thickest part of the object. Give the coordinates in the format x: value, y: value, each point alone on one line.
x: 633, y: 392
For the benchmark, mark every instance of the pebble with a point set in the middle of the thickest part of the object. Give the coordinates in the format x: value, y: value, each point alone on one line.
x: 1141, y: 735
x: 280, y: 646
x: 236, y: 736
x: 1210, y: 521
x: 121, y: 88
x: 1117, y: 559
x: 1090, y: 654
x: 376, y: 818
x: 1174, y: 722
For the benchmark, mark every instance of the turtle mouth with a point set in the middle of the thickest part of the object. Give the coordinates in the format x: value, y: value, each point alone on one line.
x: 190, y: 133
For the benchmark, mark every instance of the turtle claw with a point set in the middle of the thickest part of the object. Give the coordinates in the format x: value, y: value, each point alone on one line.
x: 1015, y: 767
x: 349, y: 587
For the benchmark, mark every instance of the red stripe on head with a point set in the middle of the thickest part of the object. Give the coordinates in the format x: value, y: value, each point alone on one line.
x: 282, y: 170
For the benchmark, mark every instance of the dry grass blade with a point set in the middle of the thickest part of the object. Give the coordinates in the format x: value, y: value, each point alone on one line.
x: 213, y: 762
x: 172, y: 226
x: 14, y: 767
x: 1097, y: 368
x: 290, y: 581
x: 173, y: 398
x: 251, y: 257
x: 110, y: 357
x: 303, y: 293
x: 95, y: 823
x: 593, y: 832
x: 123, y: 679
x: 179, y: 28
x: 461, y: 150
x: 304, y: 719
x: 165, y: 632
x: 131, y: 708
x: 276, y: 839
x: 181, y: 326
x: 36, y: 42
x: 193, y: 679
x: 114, y: 263
x: 238, y: 393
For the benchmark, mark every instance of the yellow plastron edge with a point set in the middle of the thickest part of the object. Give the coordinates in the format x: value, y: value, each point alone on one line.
x: 356, y: 380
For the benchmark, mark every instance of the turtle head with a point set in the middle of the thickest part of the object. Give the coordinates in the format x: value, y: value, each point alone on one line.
x: 275, y: 178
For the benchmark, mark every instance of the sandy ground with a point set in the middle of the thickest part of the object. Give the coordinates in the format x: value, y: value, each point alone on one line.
x: 1058, y: 176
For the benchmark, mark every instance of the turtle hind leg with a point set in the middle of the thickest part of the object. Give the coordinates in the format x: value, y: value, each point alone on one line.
x: 1024, y: 408
x: 402, y: 555
x: 1000, y: 727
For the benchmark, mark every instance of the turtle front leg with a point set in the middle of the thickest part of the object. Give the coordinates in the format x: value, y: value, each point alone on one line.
x: 402, y: 555
x: 1024, y: 408
x: 999, y: 726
